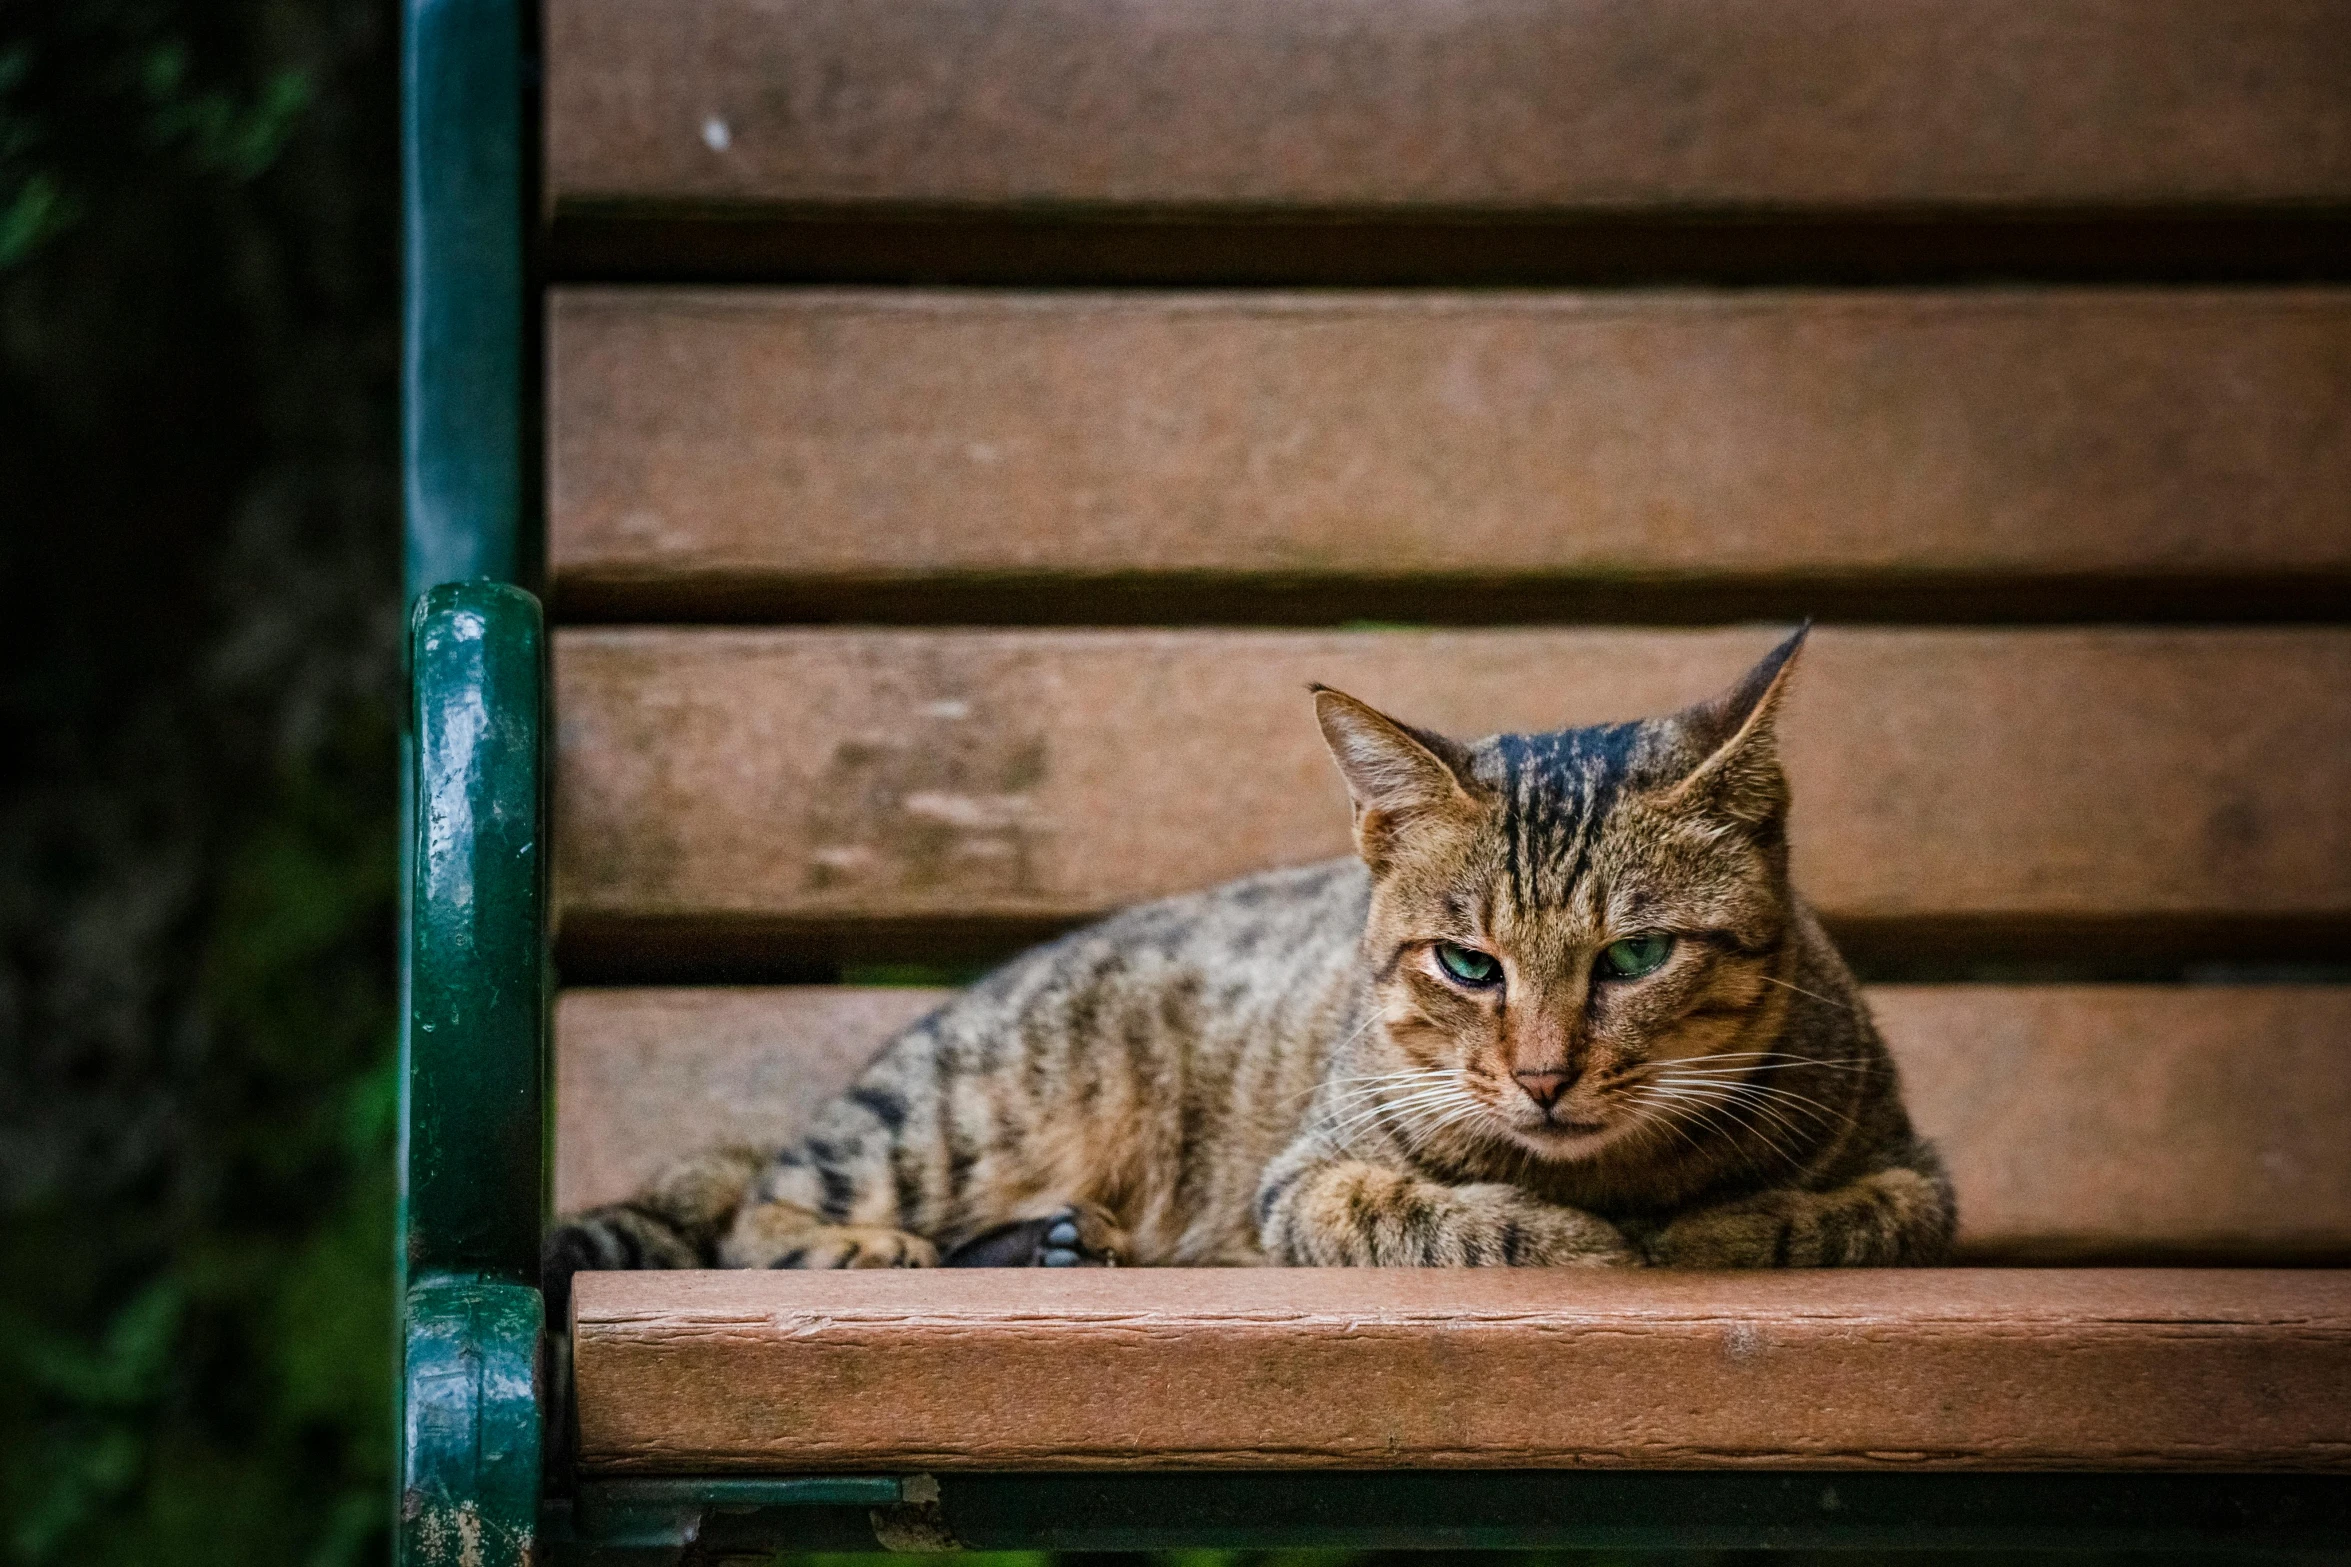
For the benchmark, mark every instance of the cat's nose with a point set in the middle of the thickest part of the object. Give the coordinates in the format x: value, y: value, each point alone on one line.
x: 1544, y: 1088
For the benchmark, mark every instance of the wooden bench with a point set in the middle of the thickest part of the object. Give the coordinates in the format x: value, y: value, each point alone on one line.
x: 942, y: 429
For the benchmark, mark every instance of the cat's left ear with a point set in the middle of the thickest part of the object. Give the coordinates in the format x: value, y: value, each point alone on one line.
x: 1734, y: 738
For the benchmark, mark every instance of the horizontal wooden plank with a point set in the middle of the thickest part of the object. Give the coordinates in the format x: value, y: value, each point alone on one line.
x: 2134, y: 1123
x: 2110, y: 1124
x: 713, y: 447
x: 1397, y: 1368
x: 1493, y: 104
x: 798, y: 780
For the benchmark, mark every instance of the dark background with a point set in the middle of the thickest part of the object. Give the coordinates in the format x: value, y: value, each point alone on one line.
x: 199, y: 400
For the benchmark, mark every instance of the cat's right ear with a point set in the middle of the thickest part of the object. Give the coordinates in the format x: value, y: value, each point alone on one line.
x: 1399, y: 777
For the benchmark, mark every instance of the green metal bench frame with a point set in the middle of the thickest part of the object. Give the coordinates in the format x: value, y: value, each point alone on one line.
x: 480, y: 1395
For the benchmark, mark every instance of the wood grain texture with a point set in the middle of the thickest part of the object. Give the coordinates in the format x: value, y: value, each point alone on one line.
x: 2134, y: 1123
x: 812, y: 777
x: 1481, y: 104
x: 740, y: 436
x: 2108, y: 1124
x: 1968, y: 1369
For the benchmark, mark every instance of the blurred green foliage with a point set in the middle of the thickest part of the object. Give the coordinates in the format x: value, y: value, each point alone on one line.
x: 197, y: 823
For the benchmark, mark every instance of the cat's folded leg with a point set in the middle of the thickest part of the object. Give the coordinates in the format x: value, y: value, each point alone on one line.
x: 1345, y: 1212
x: 673, y: 1223
x: 1895, y: 1216
x: 825, y: 1202
x: 785, y: 1235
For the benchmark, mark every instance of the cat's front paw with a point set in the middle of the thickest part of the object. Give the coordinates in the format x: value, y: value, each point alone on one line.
x: 1083, y: 1235
x: 1571, y: 1238
x: 1077, y: 1235
x: 860, y: 1246
x: 1763, y: 1232
x: 1500, y: 1224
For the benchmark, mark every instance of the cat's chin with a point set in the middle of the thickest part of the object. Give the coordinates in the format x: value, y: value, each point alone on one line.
x: 1564, y: 1142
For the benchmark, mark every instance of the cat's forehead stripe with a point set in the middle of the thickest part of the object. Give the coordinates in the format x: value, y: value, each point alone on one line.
x: 1559, y: 786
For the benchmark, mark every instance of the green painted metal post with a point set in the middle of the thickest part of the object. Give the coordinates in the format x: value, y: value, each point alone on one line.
x: 471, y: 1413
x: 470, y: 1444
x: 476, y: 1008
x: 466, y: 202
x: 472, y: 916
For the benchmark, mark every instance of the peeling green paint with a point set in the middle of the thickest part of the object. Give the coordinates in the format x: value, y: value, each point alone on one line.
x: 470, y: 1448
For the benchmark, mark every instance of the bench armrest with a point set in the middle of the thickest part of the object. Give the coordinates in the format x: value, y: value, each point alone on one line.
x: 472, y: 1123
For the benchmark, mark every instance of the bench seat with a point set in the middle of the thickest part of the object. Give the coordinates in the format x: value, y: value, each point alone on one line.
x: 1162, y: 357
x: 704, y: 1373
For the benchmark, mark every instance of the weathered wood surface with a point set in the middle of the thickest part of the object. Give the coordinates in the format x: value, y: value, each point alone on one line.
x: 1522, y: 1368
x: 729, y: 439
x: 2115, y: 1124
x: 2134, y: 1123
x: 793, y: 781
x: 1478, y: 104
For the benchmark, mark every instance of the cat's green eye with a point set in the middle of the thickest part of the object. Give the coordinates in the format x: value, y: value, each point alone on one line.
x: 1634, y: 956
x: 1469, y: 965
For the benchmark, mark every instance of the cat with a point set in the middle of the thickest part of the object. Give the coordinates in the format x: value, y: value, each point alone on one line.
x: 1562, y: 1008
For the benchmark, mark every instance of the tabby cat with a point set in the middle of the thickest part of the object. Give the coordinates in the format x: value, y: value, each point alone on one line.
x: 1563, y: 1009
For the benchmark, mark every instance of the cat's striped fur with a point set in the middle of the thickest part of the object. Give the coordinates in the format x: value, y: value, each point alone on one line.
x: 1281, y: 1070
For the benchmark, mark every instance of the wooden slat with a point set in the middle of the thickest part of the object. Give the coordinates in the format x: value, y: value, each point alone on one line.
x: 1480, y: 104
x: 748, y: 440
x: 2135, y: 1123
x: 731, y: 438
x: 797, y: 781
x: 1514, y: 1368
x: 2114, y: 1124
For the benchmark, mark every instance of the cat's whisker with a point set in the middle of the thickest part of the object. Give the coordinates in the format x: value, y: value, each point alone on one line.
x: 1438, y: 1087
x: 1366, y: 1026
x: 1724, y: 1080
x: 1650, y: 1116
x: 1728, y: 1134
x: 1427, y: 1129
x: 1785, y: 1063
x: 1787, y: 1096
x: 1764, y: 1091
x: 1801, y: 991
x: 1383, y: 1116
x: 1442, y: 1115
x: 1356, y: 1090
x: 1762, y: 1134
x: 1754, y: 1113
x: 1370, y: 1091
x: 1741, y: 1101
x: 1428, y: 1098
x: 1768, y: 1061
x: 1471, y: 1114
x: 1731, y: 1079
x: 1390, y: 1079
x: 1706, y: 1105
x: 1780, y: 1119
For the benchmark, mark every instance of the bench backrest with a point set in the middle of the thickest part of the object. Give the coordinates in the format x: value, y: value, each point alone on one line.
x: 909, y: 609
